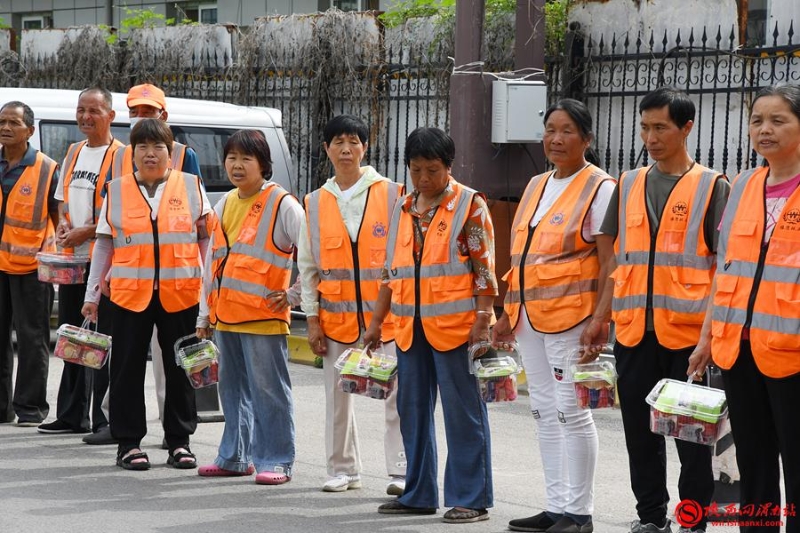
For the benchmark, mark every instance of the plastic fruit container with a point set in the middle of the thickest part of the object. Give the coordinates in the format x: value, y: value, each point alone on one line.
x: 496, y: 373
x: 199, y: 360
x: 62, y: 269
x: 686, y: 411
x: 370, y: 374
x: 595, y: 384
x: 82, y: 346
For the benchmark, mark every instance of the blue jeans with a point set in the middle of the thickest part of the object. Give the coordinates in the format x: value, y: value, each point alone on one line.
x: 256, y: 396
x: 422, y: 371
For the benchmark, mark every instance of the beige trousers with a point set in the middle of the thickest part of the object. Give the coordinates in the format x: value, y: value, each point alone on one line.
x: 341, y: 435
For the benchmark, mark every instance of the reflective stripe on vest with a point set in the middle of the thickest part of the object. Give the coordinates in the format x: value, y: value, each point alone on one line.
x: 135, y: 265
x: 445, y: 280
x: 349, y: 283
x: 770, y: 296
x: 682, y: 265
x: 97, y: 201
x: 122, y: 164
x: 254, y: 267
x: 559, y: 269
x: 27, y: 227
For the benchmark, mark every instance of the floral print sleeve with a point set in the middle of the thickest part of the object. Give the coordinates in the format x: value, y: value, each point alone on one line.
x: 477, y: 241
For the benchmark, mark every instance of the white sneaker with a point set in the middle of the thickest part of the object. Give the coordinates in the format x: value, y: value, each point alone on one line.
x: 396, y: 487
x: 342, y: 483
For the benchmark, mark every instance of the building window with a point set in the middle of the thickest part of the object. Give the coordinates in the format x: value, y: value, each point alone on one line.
x: 757, y: 21
x: 36, y: 22
x: 202, y: 13
x: 349, y: 5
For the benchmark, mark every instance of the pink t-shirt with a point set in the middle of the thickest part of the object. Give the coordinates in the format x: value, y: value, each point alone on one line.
x: 776, y: 197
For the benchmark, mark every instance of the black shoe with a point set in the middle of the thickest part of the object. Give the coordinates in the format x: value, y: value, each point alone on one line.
x: 101, y: 437
x: 567, y: 525
x: 58, y: 426
x: 537, y: 524
x: 395, y: 507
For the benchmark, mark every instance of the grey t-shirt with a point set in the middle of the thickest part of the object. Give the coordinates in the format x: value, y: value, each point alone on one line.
x: 657, y: 189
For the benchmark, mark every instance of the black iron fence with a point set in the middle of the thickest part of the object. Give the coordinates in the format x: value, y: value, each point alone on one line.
x: 612, y: 74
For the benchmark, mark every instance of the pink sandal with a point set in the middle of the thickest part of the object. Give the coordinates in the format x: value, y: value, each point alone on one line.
x: 272, y: 478
x: 215, y: 471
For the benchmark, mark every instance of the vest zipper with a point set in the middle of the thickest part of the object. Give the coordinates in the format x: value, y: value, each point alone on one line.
x: 357, y: 281
x: 524, y: 255
x: 156, y: 254
x: 418, y: 268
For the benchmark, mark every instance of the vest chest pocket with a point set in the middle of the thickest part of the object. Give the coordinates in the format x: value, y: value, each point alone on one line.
x: 377, y: 257
x: 722, y: 326
x: 558, y: 285
x: 179, y: 223
x: 623, y: 311
x: 690, y: 285
x: 21, y: 210
x: 249, y: 278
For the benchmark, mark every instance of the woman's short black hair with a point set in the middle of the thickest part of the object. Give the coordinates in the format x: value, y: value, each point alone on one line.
x: 679, y: 105
x: 432, y: 144
x: 254, y: 143
x: 345, y: 125
x: 151, y: 130
x: 578, y: 113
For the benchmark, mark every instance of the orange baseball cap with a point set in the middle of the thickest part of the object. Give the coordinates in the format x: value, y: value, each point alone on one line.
x: 147, y: 94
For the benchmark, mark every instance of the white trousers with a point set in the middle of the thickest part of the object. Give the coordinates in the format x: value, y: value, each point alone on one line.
x: 341, y: 435
x: 567, y: 435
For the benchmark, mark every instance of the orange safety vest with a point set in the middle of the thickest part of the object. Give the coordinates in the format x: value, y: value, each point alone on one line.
x: 758, y: 287
x: 27, y: 227
x: 671, y: 274
x: 122, y: 164
x: 163, y: 250
x: 443, y: 279
x: 69, y: 164
x: 247, y: 272
x: 350, y: 272
x: 554, y: 271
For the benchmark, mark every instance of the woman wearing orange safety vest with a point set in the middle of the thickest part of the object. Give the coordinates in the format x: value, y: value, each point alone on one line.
x: 151, y: 234
x: 340, y: 257
x: 440, y: 283
x: 245, y: 298
x: 557, y: 268
x: 752, y: 327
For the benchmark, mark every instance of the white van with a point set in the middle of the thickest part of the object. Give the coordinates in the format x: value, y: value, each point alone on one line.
x: 204, y: 126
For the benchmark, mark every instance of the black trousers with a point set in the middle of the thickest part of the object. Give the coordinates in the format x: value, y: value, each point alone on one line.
x: 81, y: 387
x: 763, y: 413
x: 639, y: 369
x: 131, y: 332
x: 26, y: 303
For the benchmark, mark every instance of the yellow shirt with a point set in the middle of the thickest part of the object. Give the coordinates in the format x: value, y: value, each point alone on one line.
x: 234, y: 214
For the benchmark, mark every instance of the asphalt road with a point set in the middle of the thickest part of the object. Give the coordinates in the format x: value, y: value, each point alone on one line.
x: 57, y: 484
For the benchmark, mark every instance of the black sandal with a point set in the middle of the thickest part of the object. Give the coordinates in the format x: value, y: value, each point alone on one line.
x: 125, y: 459
x: 177, y: 458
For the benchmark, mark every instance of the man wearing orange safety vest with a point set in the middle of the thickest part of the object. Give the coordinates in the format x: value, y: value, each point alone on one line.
x: 28, y: 217
x: 340, y: 256
x: 664, y: 218
x: 147, y: 101
x: 80, y: 195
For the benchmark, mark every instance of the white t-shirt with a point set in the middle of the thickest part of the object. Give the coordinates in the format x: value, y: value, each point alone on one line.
x: 104, y: 228
x: 597, y: 212
x: 81, y: 189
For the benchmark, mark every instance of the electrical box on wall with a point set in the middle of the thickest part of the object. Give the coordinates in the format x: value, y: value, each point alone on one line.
x: 518, y: 108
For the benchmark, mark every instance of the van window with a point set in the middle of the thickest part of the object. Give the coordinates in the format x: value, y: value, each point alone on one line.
x: 55, y: 137
x: 208, y: 142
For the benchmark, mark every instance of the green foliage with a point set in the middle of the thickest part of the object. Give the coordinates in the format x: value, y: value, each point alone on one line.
x: 497, y: 12
x: 556, y: 13
x: 3, y: 24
